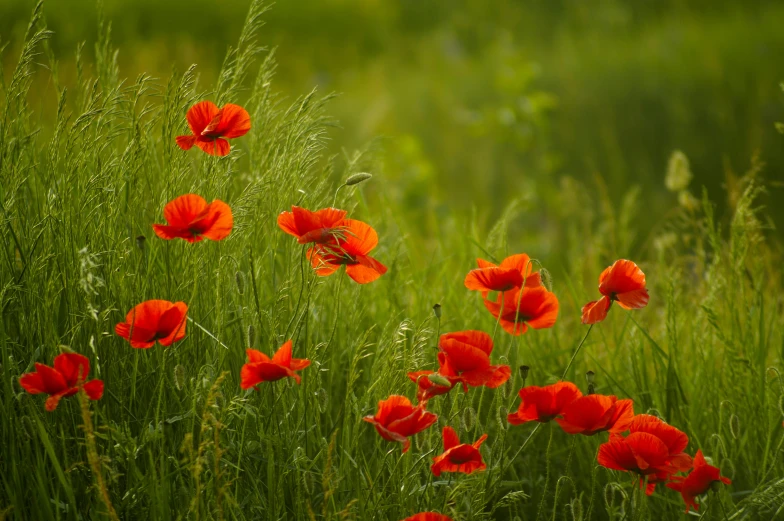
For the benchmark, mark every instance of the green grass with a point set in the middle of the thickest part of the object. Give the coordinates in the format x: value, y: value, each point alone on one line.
x: 178, y: 437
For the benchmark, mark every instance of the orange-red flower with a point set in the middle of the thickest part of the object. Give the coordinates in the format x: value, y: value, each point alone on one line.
x: 458, y: 457
x: 596, y: 413
x: 674, y: 439
x: 397, y: 420
x: 466, y: 354
x: 543, y: 404
x: 154, y: 321
x: 319, y: 226
x: 261, y: 368
x: 623, y: 282
x: 189, y: 217
x: 697, y: 482
x: 510, y: 274
x: 428, y: 516
x: 211, y: 127
x: 68, y: 375
x: 536, y: 308
x: 350, y: 250
x: 427, y: 387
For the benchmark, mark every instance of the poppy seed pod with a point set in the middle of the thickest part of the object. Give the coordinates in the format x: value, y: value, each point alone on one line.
x: 141, y: 241
x: 437, y: 311
x: 524, y: 371
x: 358, y: 178
x: 239, y: 279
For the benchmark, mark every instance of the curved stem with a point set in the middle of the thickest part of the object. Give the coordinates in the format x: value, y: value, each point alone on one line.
x: 569, y: 365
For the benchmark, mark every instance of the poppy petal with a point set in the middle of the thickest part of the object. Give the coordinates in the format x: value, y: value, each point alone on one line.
x: 214, y: 147
x: 366, y: 270
x: 200, y: 115
x: 73, y: 367
x: 171, y: 325
x: 633, y: 299
x: 596, y: 311
x: 623, y: 276
x: 361, y: 238
x: 94, y: 389
x: 185, y: 142
x: 218, y: 221
x: 183, y: 210
x: 234, y: 121
x: 450, y: 438
x: 283, y: 355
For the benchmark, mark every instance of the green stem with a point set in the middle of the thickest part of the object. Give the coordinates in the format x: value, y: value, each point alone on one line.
x: 569, y: 365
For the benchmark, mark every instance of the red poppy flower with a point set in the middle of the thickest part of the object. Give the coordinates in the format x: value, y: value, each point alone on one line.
x: 428, y: 516
x: 467, y: 355
x: 639, y: 452
x: 458, y: 457
x: 596, y: 413
x: 623, y: 282
x: 191, y: 218
x: 397, y: 420
x: 537, y: 308
x: 319, y: 226
x: 509, y: 275
x: 212, y: 126
x: 352, y: 250
x: 674, y: 439
x: 543, y: 404
x: 429, y: 388
x: 261, y: 368
x: 65, y: 379
x: 697, y: 482
x: 154, y: 320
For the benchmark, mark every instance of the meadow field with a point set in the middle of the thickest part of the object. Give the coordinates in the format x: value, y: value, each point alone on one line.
x: 158, y: 166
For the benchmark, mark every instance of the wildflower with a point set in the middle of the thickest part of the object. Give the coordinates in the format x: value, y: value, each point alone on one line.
x: 211, y: 127
x: 154, y: 321
x: 595, y: 413
x: 623, y: 282
x: 351, y: 251
x: 431, y: 384
x: 68, y: 375
x: 536, y: 308
x: 428, y: 516
x: 189, y: 217
x: 307, y: 226
x: 510, y: 274
x: 543, y: 404
x: 458, y: 457
x: 697, y: 482
x: 674, y: 439
x: 397, y: 420
x: 261, y: 368
x: 466, y: 354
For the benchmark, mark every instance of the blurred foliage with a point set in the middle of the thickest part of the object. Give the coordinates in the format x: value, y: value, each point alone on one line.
x: 478, y: 106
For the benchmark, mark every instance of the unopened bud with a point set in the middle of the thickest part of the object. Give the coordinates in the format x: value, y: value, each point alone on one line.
x: 469, y: 416
x: 141, y: 240
x: 251, y: 336
x: 437, y: 310
x: 735, y: 426
x: 179, y: 377
x: 358, y: 178
x: 239, y: 278
x: 546, y: 278
x: 439, y: 380
x: 589, y: 376
x: 524, y: 371
x: 576, y: 506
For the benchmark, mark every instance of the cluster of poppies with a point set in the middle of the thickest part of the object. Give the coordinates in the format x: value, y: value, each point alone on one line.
x: 520, y: 300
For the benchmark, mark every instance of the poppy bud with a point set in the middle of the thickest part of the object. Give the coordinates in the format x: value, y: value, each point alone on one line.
x: 27, y: 425
x: 179, y: 377
x: 251, y: 336
x: 469, y: 416
x: 239, y: 278
x: 524, y: 372
x: 358, y: 178
x: 678, y: 174
x: 576, y: 506
x: 141, y: 241
x: 501, y: 417
x: 440, y: 380
x: 735, y: 426
x: 437, y: 311
x: 508, y: 388
x: 546, y: 278
x: 589, y: 376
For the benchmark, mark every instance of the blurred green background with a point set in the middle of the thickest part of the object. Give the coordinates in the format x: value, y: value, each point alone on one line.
x: 474, y: 104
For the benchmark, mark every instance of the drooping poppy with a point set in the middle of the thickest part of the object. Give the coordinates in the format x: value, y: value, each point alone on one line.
x: 428, y: 516
x: 397, y: 419
x: 467, y: 355
x: 261, y: 368
x: 697, y: 482
x: 510, y: 274
x: 596, y: 413
x: 674, y: 439
x: 350, y: 250
x: 68, y: 375
x: 211, y: 127
x: 536, y: 308
x: 319, y: 226
x: 189, y: 217
x: 430, y: 383
x: 623, y: 282
x: 458, y: 457
x: 543, y: 404
x: 154, y: 321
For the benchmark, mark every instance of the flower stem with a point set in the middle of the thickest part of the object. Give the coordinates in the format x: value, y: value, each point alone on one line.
x: 569, y: 365
x: 92, y: 454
